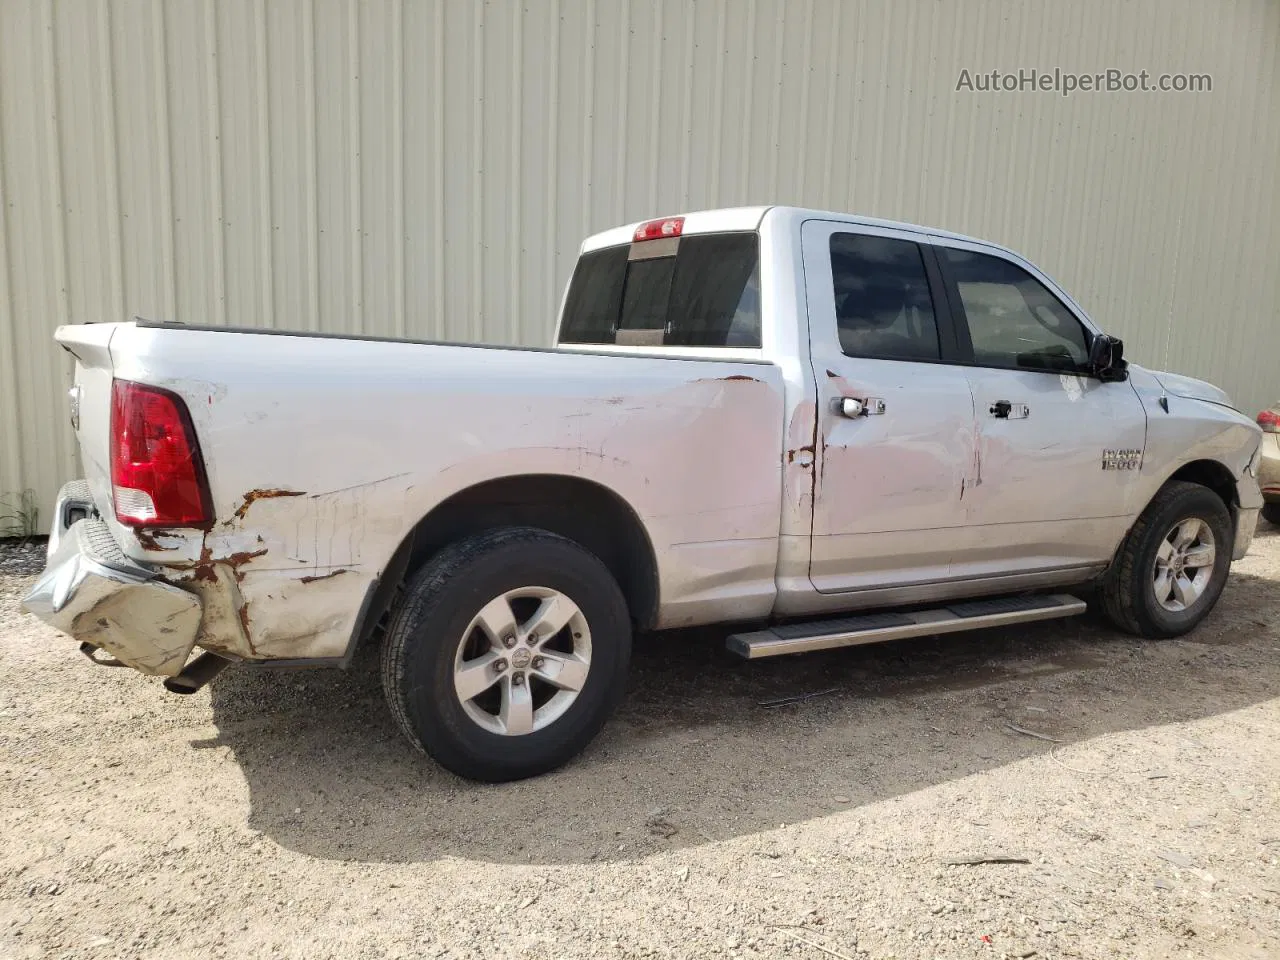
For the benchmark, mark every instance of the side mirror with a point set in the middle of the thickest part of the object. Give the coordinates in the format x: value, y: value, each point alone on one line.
x: 1106, y: 359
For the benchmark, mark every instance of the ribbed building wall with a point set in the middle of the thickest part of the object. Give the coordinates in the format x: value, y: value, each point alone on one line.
x: 428, y: 167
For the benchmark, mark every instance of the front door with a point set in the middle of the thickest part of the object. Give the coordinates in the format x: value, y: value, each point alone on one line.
x: 1058, y: 449
x: 896, y: 439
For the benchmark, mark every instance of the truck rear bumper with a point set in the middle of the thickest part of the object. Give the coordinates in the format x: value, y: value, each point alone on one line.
x: 91, y: 591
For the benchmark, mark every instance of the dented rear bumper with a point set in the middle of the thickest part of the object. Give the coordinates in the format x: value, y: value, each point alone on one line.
x: 93, y: 592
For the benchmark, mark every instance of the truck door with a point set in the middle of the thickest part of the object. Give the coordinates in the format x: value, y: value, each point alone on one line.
x: 895, y: 443
x: 1059, y: 449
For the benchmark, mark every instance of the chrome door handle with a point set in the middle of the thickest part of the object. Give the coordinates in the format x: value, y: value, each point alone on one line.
x: 1004, y: 410
x: 853, y: 407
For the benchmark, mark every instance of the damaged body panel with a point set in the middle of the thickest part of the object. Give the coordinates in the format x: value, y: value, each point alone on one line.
x: 92, y: 592
x: 296, y: 542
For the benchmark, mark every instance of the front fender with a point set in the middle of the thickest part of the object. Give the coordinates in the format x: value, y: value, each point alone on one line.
x: 1183, y: 430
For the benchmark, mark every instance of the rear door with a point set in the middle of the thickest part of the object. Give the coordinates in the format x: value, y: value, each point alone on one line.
x: 1059, y: 450
x: 894, y: 470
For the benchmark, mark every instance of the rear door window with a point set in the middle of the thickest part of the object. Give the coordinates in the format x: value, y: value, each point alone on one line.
x: 698, y: 291
x: 884, y: 309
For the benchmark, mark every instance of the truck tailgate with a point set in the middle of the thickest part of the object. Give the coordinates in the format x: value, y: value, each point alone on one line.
x: 90, y: 403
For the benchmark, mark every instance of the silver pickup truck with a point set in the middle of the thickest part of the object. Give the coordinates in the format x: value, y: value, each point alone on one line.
x: 824, y: 429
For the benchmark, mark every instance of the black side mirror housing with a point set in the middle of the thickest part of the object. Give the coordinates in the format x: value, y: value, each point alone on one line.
x: 1106, y: 359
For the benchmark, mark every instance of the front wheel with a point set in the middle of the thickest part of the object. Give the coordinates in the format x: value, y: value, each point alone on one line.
x: 1172, y: 566
x: 507, y: 654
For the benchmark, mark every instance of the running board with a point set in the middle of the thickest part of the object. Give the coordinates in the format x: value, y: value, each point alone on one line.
x: 875, y: 627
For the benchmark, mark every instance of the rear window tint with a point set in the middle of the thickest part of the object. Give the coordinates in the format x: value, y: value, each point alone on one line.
x: 595, y: 297
x: 883, y: 307
x: 646, y: 293
x: 706, y: 294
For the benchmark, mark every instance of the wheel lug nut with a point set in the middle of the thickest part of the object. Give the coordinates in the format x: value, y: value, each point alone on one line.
x: 537, y: 663
x: 517, y: 679
x: 499, y: 666
x: 509, y: 640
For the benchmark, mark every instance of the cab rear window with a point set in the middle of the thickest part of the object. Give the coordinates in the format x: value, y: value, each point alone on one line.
x: 698, y: 291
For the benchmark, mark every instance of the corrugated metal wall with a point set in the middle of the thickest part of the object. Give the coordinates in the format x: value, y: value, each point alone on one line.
x: 428, y: 167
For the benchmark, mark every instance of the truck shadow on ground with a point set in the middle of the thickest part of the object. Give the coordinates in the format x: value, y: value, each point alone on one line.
x: 694, y: 755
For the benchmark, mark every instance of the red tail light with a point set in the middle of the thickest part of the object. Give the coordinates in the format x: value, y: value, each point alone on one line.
x: 657, y: 229
x: 1269, y: 421
x: 157, y: 475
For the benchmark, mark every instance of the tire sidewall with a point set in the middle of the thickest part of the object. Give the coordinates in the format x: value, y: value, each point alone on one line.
x: 431, y: 703
x: 1202, y: 504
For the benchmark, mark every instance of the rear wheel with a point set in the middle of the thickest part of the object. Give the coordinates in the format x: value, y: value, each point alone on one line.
x: 1172, y: 566
x: 507, y: 654
x: 1271, y: 513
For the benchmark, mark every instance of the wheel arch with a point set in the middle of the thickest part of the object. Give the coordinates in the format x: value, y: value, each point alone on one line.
x: 580, y: 510
x: 1212, y: 474
x: 1205, y: 472
x: 1125, y: 588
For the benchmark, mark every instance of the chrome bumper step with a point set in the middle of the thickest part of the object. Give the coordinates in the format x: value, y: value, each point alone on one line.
x: 877, y: 627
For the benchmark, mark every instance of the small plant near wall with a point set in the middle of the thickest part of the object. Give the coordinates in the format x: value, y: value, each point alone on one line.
x: 19, y: 515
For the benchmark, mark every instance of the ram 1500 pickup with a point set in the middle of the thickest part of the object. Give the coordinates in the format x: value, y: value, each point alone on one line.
x: 824, y: 429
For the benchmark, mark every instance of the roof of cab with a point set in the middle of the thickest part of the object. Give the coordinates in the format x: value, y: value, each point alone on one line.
x: 749, y: 218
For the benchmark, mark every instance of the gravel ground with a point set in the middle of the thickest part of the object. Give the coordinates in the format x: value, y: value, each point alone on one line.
x: 281, y: 814
x: 22, y: 558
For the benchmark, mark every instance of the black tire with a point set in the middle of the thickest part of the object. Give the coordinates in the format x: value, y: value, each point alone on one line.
x: 1128, y: 591
x: 426, y: 630
x: 1271, y: 513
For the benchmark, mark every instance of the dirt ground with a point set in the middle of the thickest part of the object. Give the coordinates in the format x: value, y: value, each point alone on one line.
x: 281, y: 813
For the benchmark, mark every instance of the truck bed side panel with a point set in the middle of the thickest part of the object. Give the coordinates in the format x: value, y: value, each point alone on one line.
x: 322, y: 454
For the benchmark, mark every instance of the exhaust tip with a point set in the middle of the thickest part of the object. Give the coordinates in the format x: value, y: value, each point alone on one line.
x: 196, y: 674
